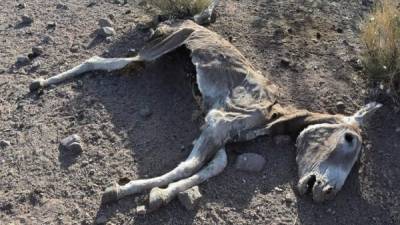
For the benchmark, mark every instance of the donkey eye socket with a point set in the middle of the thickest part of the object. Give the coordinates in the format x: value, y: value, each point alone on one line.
x: 348, y: 137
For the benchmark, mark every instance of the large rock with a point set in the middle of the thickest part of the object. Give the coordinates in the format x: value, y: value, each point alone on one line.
x: 250, y: 162
x: 190, y: 198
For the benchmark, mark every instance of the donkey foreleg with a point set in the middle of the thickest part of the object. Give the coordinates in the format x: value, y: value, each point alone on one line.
x: 92, y: 64
x: 159, y: 196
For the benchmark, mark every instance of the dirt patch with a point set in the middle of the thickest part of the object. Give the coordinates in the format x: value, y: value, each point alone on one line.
x: 306, y: 47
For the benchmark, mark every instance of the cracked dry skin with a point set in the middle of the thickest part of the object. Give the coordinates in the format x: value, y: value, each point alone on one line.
x: 37, y: 186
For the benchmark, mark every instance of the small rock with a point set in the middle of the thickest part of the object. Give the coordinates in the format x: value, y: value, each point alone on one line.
x: 51, y: 25
x: 25, y: 19
x: 107, y: 31
x: 74, y: 48
x: 190, y: 198
x: 339, y: 30
x: 109, y: 40
x: 72, y: 143
x: 104, y: 22
x: 289, y: 198
x: 101, y: 219
x: 62, y: 6
x: 21, y: 6
x: 340, y: 106
x: 48, y: 39
x: 318, y: 35
x: 282, y: 139
x: 250, y: 162
x: 285, y: 62
x: 145, y: 112
x: 141, y: 210
x: 4, y: 144
x: 37, y: 51
x: 91, y: 4
x: 397, y: 129
x: 22, y: 60
x: 117, y: 2
x: 35, y: 65
x: 278, y: 189
x: 356, y: 63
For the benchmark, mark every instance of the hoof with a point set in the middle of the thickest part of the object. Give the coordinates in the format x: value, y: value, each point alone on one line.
x: 36, y: 85
x: 156, y: 199
x: 110, y: 194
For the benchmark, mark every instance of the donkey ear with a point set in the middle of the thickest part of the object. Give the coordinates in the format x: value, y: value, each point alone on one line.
x: 365, y: 112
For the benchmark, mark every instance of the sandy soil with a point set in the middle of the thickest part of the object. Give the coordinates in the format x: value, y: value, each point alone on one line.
x: 40, y: 185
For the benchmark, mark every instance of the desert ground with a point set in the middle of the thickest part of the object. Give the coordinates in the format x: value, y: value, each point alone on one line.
x: 309, y: 48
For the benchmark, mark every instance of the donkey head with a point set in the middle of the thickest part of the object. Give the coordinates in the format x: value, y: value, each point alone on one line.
x: 326, y: 152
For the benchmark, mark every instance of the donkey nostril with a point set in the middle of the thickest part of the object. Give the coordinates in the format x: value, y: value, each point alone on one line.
x: 348, y: 137
x: 310, y: 183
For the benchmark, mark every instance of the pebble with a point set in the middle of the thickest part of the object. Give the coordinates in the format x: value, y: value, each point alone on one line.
x: 397, y: 129
x: 250, y: 162
x: 23, y: 59
x: 25, y: 19
x: 91, y: 4
x: 21, y: 6
x: 51, y: 25
x: 141, y: 210
x: 190, y: 198
x: 48, y: 39
x: 74, y: 49
x: 278, y: 189
x: 109, y: 40
x: 37, y: 51
x: 4, y: 144
x: 289, y: 198
x: 62, y: 6
x: 72, y: 143
x: 145, y: 112
x: 282, y: 139
x: 340, y: 106
x: 285, y: 62
x: 105, y: 22
x: 107, y: 31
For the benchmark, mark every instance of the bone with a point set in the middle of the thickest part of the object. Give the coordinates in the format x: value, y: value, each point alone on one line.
x: 92, y: 64
x: 159, y: 196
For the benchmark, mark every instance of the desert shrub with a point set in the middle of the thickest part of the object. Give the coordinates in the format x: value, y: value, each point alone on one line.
x: 381, y: 35
x: 180, y: 8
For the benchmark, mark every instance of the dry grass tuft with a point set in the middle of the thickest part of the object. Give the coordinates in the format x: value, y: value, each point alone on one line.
x: 180, y: 8
x: 381, y: 36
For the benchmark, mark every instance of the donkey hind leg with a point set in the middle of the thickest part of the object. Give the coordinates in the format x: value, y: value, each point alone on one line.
x: 204, y: 147
x: 159, y: 196
x: 220, y: 128
x: 92, y: 64
x: 149, y: 53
